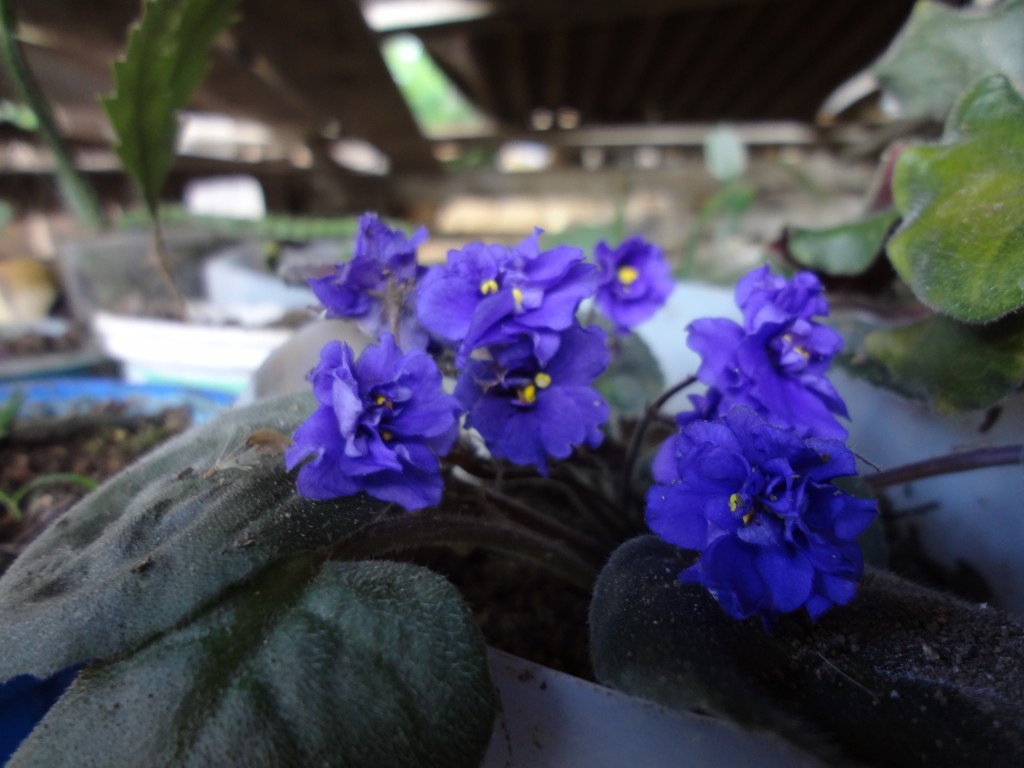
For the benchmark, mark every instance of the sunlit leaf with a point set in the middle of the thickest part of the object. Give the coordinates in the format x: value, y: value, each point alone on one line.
x: 943, y: 50
x: 961, y: 244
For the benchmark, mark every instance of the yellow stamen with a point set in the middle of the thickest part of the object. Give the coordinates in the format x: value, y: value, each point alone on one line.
x: 800, y: 350
x: 386, y: 436
x: 518, y: 296
x: 734, y: 502
x: 748, y: 518
x: 487, y: 287
x: 528, y: 394
x: 542, y: 380
x: 628, y: 275
x: 382, y: 400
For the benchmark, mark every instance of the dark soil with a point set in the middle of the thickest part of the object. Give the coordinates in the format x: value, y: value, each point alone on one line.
x: 33, y: 344
x: 95, y: 445
x: 521, y: 608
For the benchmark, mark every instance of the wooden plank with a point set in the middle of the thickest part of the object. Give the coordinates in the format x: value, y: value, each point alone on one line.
x: 329, y: 58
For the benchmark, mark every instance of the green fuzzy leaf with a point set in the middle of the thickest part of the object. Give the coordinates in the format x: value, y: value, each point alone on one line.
x: 942, y: 51
x: 950, y: 365
x: 164, y: 538
x: 348, y: 664
x: 961, y: 244
x: 633, y: 377
x: 900, y: 676
x: 843, y: 251
x: 164, y: 62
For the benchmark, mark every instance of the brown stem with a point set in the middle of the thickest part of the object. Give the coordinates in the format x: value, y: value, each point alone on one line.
x: 419, y: 530
x: 545, y: 525
x: 158, y: 258
x: 962, y: 461
x: 650, y: 412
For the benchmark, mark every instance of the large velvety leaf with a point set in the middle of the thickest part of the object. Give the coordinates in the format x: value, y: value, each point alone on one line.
x: 842, y: 251
x: 163, y: 538
x: 941, y: 51
x: 948, y: 364
x: 348, y: 664
x: 164, y: 62
x: 900, y: 676
x: 961, y: 244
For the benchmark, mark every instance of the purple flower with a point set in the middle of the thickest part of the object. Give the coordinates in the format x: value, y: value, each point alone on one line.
x: 776, y: 362
x: 381, y: 423
x: 775, y: 535
x: 375, y: 286
x: 490, y: 294
x: 526, y: 410
x: 634, y: 282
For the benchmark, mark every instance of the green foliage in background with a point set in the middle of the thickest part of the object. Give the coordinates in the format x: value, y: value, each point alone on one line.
x: 166, y: 59
x: 961, y: 244
x: 437, y: 105
x: 943, y: 50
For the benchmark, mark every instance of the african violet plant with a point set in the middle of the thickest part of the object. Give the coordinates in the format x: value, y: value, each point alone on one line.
x: 242, y: 596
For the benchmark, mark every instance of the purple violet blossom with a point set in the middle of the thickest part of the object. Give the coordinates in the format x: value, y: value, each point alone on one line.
x: 381, y: 424
x: 526, y: 410
x: 776, y: 362
x: 374, y: 287
x: 489, y: 295
x: 756, y: 501
x: 634, y: 282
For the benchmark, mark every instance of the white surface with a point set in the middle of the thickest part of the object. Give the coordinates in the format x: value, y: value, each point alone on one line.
x: 237, y: 197
x: 238, y: 289
x: 551, y: 720
x: 167, y: 350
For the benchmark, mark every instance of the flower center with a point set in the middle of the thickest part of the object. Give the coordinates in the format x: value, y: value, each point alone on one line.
x: 527, y: 395
x: 383, y: 401
x: 542, y: 380
x: 487, y: 287
x: 628, y: 275
x: 735, y: 503
x: 798, y: 348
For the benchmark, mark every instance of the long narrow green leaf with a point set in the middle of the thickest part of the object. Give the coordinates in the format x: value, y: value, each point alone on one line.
x: 165, y: 61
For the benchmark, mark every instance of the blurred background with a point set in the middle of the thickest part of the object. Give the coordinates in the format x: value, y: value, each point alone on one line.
x: 484, y: 118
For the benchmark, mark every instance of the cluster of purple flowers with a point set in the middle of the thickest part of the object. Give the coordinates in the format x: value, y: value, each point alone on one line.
x: 775, y: 363
x: 526, y: 365
x: 746, y: 481
x: 756, y: 500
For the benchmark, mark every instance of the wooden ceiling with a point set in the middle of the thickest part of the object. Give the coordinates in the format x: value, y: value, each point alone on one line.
x: 643, y: 61
x: 312, y: 69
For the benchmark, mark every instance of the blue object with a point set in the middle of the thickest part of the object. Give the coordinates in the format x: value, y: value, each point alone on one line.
x: 24, y: 700
x: 62, y: 397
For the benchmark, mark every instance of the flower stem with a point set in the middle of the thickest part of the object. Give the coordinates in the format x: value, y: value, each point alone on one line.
x: 650, y: 412
x: 544, y: 525
x: 424, y: 529
x: 962, y: 461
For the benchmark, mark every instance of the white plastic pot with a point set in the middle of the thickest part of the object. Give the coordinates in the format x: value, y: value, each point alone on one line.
x: 548, y: 719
